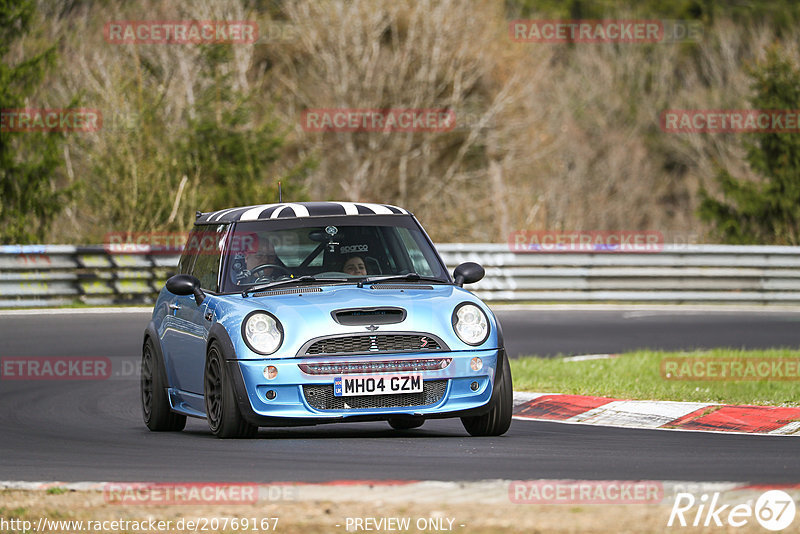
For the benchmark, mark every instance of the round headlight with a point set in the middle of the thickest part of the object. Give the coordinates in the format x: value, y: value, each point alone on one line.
x: 263, y: 332
x: 470, y: 324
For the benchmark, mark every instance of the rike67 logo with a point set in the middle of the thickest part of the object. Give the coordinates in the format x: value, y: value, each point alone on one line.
x: 774, y: 510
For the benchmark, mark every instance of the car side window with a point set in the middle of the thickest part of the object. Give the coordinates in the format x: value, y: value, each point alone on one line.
x: 207, y: 241
x: 422, y: 265
x: 188, y: 257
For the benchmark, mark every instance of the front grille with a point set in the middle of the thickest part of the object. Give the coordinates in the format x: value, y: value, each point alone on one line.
x: 362, y: 343
x: 394, y: 366
x: 322, y: 398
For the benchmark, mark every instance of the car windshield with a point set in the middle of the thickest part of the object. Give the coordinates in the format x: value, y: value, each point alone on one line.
x: 338, y: 249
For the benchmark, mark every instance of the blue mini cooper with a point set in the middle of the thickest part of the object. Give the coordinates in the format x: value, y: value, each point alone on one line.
x: 320, y: 312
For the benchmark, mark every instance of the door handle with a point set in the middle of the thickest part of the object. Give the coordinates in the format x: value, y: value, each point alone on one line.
x: 174, y: 306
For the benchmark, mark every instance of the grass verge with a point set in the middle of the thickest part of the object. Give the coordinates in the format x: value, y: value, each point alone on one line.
x: 639, y: 375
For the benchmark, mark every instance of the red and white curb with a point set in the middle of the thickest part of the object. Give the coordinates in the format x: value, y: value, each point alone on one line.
x: 666, y: 415
x: 541, y: 491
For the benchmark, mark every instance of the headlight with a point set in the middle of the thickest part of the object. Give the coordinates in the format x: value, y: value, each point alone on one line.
x: 470, y: 324
x: 262, y: 332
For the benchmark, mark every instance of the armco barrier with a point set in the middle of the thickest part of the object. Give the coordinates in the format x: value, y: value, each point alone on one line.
x: 694, y: 273
x: 52, y: 275
x: 55, y: 275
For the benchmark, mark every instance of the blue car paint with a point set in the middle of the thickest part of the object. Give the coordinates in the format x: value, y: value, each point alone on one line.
x: 184, y: 335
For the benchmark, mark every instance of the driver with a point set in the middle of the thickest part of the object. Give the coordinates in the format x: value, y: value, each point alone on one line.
x: 245, y: 263
x: 263, y: 255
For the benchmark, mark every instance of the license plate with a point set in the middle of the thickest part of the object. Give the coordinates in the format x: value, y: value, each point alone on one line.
x: 348, y: 386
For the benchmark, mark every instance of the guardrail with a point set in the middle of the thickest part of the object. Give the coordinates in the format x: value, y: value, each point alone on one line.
x: 57, y: 275
x: 695, y: 273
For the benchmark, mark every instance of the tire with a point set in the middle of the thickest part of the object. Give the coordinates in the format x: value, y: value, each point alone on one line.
x: 405, y: 424
x: 156, y: 410
x: 222, y: 411
x: 498, y: 419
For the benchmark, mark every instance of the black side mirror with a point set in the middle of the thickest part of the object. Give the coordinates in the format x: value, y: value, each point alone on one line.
x: 186, y: 284
x: 468, y: 273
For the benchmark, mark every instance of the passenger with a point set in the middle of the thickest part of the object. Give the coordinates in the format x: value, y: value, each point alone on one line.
x: 354, y: 265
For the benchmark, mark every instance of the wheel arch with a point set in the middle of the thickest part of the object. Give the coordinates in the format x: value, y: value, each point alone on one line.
x: 151, y: 334
x: 218, y: 333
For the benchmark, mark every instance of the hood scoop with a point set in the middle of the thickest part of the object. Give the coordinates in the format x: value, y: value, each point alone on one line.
x: 369, y: 316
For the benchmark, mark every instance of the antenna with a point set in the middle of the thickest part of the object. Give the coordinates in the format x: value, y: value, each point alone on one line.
x: 280, y: 193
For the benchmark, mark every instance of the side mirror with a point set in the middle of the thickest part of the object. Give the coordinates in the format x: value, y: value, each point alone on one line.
x: 468, y: 273
x: 186, y: 284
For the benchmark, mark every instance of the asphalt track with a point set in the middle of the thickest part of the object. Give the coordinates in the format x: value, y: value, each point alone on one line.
x: 92, y: 430
x: 549, y: 333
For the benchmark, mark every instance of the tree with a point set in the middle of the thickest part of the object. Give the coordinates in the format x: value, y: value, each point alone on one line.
x: 213, y: 151
x: 233, y: 147
x: 29, y: 197
x: 766, y: 211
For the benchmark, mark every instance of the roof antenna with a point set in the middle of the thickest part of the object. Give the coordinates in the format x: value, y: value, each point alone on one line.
x: 280, y: 193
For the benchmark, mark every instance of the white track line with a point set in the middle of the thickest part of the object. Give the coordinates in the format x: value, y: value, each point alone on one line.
x: 658, y: 308
x: 74, y: 311
x: 587, y: 357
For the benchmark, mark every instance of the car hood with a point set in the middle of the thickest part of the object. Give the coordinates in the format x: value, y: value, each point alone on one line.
x: 309, y: 314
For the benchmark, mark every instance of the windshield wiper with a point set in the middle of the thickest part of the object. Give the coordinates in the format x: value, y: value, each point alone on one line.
x: 409, y: 277
x: 288, y: 281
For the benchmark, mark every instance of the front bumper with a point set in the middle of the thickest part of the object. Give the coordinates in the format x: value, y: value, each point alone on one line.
x: 291, y: 405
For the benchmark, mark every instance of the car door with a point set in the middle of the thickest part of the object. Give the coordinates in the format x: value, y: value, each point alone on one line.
x: 188, y: 343
x: 172, y: 328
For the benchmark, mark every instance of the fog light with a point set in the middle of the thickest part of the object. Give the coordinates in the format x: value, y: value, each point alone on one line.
x: 270, y: 372
x: 474, y: 386
x: 271, y: 394
x: 476, y: 364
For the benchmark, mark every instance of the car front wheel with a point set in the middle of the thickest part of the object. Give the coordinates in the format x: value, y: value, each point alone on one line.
x: 222, y: 412
x: 497, y: 420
